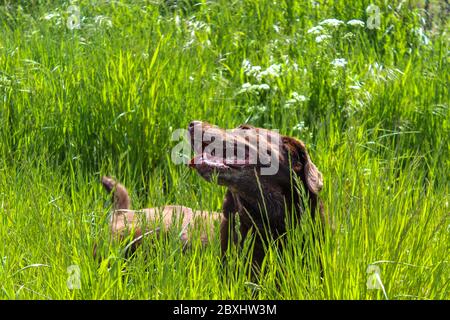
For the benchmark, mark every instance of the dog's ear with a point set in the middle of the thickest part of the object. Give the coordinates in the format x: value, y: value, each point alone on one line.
x: 302, y: 164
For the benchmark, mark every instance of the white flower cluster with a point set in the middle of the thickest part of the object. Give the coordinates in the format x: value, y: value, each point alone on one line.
x: 258, y: 109
x: 303, y: 129
x: 273, y: 71
x: 300, y: 126
x: 295, y: 98
x: 262, y: 76
x: 254, y: 88
x: 316, y: 30
x: 339, y: 63
x: 356, y: 23
x: 321, y: 30
x: 331, y: 23
x: 322, y: 37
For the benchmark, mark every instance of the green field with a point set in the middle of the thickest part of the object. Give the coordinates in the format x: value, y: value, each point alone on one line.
x: 98, y: 88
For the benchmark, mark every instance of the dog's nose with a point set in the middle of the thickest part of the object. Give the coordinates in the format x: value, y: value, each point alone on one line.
x: 193, y: 124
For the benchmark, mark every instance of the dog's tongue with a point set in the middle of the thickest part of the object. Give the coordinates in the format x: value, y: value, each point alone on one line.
x: 207, y: 160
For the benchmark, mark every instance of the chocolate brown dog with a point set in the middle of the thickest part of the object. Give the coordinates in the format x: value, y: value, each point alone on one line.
x: 148, y: 222
x: 264, y: 172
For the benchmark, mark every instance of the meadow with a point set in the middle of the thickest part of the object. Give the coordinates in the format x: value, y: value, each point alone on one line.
x: 91, y: 88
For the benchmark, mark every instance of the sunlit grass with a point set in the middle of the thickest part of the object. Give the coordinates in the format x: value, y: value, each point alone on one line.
x: 372, y: 105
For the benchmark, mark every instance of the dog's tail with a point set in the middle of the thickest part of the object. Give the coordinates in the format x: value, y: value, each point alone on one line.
x: 121, y: 199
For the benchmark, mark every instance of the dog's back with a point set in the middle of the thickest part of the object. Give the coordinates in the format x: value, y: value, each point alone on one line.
x: 146, y: 222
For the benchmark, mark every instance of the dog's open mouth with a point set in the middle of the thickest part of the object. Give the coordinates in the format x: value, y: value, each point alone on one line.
x: 207, y: 159
x: 230, y: 152
x: 218, y: 163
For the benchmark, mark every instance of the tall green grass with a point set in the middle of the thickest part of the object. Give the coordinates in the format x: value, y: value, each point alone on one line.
x: 105, y: 98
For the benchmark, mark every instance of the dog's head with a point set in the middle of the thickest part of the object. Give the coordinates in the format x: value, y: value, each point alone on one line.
x: 246, y: 159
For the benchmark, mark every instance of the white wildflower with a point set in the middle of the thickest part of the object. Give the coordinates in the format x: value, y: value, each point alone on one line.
x: 251, y: 70
x: 356, y: 23
x: 273, y: 70
x: 246, y: 65
x: 331, y: 23
x: 339, y: 63
x: 348, y: 35
x: 322, y: 37
x: 298, y: 97
x: 255, y: 71
x: 315, y: 30
x: 295, y: 98
x: 299, y: 126
x: 254, y: 88
x: 304, y: 130
x: 246, y: 86
x: 259, y: 109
